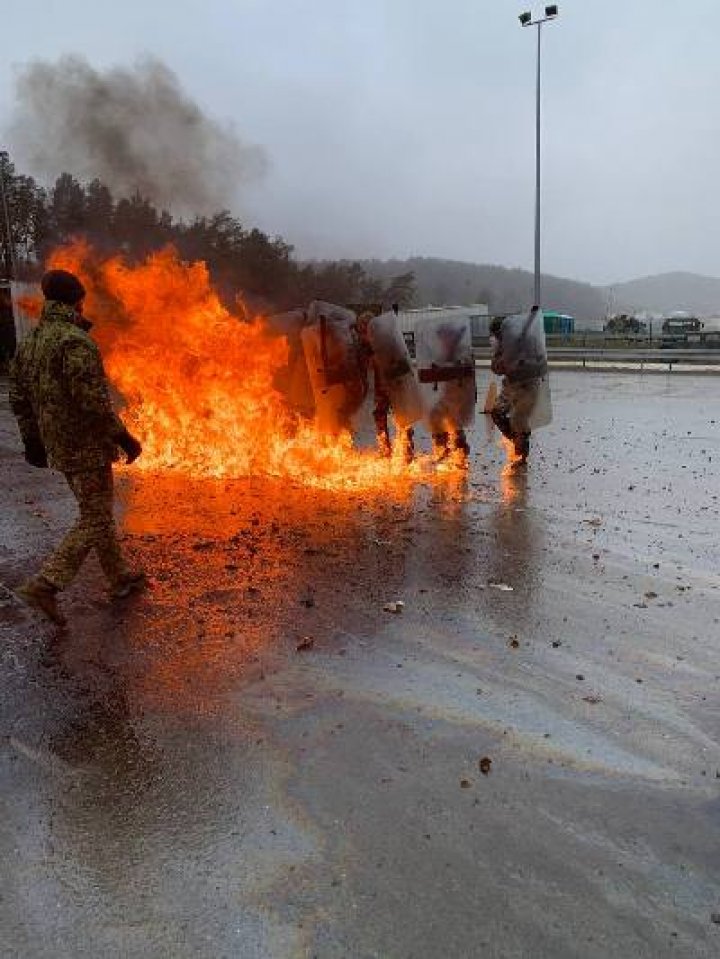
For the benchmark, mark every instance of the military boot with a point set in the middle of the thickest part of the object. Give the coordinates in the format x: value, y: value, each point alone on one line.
x: 461, y: 451
x: 383, y: 443
x: 40, y: 594
x: 502, y: 421
x: 408, y: 445
x: 522, y: 447
x: 440, y: 448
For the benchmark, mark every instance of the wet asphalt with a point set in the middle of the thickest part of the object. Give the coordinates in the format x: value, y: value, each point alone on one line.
x: 255, y: 759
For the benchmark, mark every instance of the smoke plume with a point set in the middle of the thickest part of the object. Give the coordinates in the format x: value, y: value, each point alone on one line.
x: 135, y: 129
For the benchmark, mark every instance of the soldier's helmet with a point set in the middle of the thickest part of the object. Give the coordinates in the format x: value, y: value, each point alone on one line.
x: 62, y: 286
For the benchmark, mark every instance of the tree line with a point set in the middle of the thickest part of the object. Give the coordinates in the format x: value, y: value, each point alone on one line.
x: 243, y: 261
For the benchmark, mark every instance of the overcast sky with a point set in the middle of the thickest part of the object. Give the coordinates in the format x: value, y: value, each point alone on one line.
x: 400, y: 127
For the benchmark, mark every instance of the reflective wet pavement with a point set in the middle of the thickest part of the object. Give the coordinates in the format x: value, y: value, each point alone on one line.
x: 256, y: 760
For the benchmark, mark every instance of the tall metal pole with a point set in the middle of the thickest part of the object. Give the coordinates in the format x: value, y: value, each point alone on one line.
x: 538, y: 291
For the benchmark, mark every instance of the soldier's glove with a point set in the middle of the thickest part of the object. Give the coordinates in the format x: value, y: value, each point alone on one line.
x: 35, y: 453
x: 129, y: 445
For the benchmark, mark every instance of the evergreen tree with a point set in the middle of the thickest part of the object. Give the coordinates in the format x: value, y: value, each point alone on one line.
x: 67, y: 208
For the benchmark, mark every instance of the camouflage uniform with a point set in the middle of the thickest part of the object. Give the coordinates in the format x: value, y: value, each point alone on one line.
x: 515, y: 404
x: 59, y: 395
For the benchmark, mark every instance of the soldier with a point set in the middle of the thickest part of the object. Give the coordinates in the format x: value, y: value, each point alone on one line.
x: 385, y: 353
x: 59, y: 395
x: 338, y: 374
x: 447, y: 371
x: 518, y: 355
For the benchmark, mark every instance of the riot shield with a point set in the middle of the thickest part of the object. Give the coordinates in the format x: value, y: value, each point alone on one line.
x: 523, y: 356
x: 293, y: 380
x: 522, y: 347
x: 446, y: 370
x: 393, y: 369
x: 338, y: 375
x: 542, y: 411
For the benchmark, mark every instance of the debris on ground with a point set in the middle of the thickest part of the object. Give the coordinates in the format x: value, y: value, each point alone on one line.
x: 503, y: 587
x: 306, y: 643
x: 514, y: 642
x: 485, y: 763
x: 593, y: 698
x: 465, y: 784
x: 397, y: 607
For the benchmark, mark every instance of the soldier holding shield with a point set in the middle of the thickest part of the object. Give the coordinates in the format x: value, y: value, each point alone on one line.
x: 519, y: 355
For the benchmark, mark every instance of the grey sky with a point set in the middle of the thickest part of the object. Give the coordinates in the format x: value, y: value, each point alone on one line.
x: 398, y: 127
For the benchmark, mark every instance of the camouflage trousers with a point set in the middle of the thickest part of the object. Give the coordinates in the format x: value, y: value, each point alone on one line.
x: 381, y: 413
x: 514, y: 407
x: 94, y: 529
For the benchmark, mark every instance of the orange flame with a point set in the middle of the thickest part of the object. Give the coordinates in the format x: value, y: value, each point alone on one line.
x: 197, y: 381
x: 513, y: 459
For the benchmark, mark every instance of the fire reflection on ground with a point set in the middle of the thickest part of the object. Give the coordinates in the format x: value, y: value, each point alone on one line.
x: 243, y: 571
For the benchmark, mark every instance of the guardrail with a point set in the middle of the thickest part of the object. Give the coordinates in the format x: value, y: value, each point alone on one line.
x: 582, y: 357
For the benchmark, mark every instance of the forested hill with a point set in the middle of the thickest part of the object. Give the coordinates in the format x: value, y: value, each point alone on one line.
x: 452, y: 281
x: 666, y: 292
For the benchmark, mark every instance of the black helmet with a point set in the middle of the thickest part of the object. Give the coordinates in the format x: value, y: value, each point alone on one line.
x: 62, y: 286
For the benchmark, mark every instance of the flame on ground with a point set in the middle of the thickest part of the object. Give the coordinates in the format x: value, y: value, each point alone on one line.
x: 513, y: 459
x: 198, y: 382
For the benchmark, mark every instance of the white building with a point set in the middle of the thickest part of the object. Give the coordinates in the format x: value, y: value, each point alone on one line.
x: 477, y: 314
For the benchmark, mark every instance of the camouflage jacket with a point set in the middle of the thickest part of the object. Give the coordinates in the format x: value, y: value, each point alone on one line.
x: 59, y: 394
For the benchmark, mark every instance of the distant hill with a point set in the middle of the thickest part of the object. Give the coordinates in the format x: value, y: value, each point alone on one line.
x: 668, y: 292
x: 442, y: 282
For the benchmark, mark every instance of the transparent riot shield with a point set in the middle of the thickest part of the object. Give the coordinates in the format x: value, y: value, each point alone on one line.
x: 542, y: 412
x: 338, y: 374
x: 523, y: 356
x: 446, y: 371
x: 393, y: 367
x: 293, y: 379
x: 522, y: 345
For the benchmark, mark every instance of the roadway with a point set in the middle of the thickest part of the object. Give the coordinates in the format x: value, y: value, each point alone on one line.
x: 256, y: 760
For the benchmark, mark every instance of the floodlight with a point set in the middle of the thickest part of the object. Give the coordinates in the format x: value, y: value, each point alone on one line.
x: 551, y: 11
x: 525, y: 19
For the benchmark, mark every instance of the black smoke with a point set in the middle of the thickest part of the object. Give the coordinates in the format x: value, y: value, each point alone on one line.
x: 133, y: 128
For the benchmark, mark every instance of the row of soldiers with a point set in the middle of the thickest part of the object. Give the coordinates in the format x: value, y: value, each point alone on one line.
x: 60, y: 396
x: 340, y: 363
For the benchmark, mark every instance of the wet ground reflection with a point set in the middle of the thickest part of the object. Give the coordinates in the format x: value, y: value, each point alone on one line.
x: 182, y: 780
x: 243, y: 572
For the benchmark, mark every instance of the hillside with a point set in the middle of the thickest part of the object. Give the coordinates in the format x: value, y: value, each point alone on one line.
x: 668, y: 292
x: 452, y: 281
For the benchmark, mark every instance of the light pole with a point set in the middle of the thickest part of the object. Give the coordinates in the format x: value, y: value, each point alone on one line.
x: 526, y: 20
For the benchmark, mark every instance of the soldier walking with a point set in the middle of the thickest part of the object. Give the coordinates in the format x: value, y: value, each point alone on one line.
x: 519, y: 356
x: 383, y: 355
x: 59, y: 395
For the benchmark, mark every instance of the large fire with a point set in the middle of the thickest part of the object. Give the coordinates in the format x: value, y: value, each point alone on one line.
x: 198, y: 382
